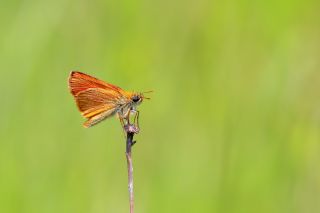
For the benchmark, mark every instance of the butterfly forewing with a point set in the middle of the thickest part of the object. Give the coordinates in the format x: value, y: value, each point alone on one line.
x: 79, y: 81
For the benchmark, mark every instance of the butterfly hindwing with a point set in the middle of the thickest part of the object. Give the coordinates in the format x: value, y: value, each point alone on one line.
x: 96, y: 104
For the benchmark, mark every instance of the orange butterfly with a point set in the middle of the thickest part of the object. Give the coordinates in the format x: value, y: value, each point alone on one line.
x: 98, y: 100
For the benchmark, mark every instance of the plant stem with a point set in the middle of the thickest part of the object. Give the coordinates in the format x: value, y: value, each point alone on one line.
x: 131, y: 130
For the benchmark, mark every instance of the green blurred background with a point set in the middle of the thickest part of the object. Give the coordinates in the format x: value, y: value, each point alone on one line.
x: 233, y: 124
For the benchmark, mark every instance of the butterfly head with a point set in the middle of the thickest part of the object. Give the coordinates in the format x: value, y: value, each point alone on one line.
x: 137, y: 98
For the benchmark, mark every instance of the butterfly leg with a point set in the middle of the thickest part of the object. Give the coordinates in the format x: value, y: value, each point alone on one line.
x: 122, y: 124
x: 127, y: 116
x: 136, y: 118
x: 121, y: 120
x: 125, y: 120
x: 135, y: 125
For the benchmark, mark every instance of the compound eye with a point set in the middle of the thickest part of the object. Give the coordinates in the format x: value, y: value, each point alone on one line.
x: 135, y: 98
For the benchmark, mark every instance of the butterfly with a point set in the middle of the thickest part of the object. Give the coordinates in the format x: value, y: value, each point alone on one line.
x: 98, y: 100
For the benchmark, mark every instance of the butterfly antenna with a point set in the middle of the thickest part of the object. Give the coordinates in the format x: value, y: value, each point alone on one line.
x: 147, y: 92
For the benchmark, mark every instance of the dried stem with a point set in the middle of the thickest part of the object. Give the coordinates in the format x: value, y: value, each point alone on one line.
x: 130, y: 130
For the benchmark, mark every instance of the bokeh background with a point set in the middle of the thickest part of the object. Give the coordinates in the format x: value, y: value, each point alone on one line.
x: 233, y: 124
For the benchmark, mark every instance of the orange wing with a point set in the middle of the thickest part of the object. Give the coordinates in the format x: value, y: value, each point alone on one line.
x: 96, y: 100
x: 79, y: 81
x: 97, y: 104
